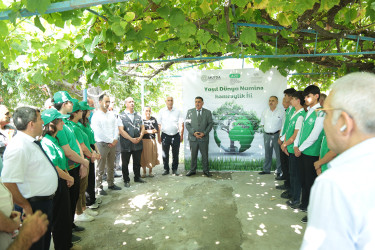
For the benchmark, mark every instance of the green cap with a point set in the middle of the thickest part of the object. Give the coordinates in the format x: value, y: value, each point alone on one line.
x: 76, y: 105
x: 51, y: 114
x: 85, y: 106
x: 61, y: 97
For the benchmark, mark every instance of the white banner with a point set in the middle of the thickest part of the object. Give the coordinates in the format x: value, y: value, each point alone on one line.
x: 236, y: 99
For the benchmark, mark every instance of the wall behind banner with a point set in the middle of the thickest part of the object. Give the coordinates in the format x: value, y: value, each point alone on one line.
x: 236, y: 98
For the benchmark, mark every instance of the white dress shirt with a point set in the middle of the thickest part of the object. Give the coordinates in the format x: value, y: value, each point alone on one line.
x: 342, y: 203
x: 170, y: 120
x: 104, y: 126
x: 318, y: 127
x: 6, y: 207
x: 272, y: 120
x: 26, y: 165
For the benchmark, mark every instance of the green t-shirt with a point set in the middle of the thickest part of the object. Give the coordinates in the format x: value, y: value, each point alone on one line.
x: 67, y: 137
x: 89, y: 132
x: 55, y: 152
x: 78, y: 127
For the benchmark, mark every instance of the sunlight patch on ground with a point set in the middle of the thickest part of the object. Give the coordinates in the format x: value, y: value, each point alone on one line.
x: 297, y: 228
x: 140, y: 200
x: 126, y: 222
x: 282, y: 206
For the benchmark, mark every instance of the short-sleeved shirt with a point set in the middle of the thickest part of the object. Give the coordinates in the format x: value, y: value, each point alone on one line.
x: 55, y: 152
x: 89, y: 132
x: 170, y: 120
x: 272, y: 120
x: 67, y: 137
x: 150, y: 124
x: 26, y: 165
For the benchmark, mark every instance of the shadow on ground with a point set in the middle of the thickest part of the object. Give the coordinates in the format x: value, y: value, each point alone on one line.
x: 240, y: 210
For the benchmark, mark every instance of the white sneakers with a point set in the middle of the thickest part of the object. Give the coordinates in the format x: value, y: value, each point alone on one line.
x: 84, y: 217
x: 90, y: 212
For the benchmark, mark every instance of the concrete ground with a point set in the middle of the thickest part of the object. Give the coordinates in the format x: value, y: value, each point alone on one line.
x: 230, y: 210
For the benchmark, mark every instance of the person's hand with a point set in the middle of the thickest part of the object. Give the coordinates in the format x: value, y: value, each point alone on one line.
x: 70, y: 182
x: 159, y: 139
x: 154, y: 131
x: 318, y: 167
x: 279, y: 142
x: 196, y: 134
x: 34, y: 226
x: 114, y: 142
x: 83, y: 171
x: 98, y: 156
x: 16, y: 217
x: 282, y: 146
x: 182, y: 138
x: 297, y: 152
x: 27, y: 210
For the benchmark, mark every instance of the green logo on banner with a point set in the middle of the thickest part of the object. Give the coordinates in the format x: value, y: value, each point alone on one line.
x: 234, y: 75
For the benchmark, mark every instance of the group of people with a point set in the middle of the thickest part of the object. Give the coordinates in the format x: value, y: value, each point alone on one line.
x: 48, y: 158
x: 295, y: 132
x: 334, y: 139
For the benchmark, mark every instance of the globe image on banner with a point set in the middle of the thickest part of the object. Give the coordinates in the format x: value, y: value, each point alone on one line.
x: 234, y: 128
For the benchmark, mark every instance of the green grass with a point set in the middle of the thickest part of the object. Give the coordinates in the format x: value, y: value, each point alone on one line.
x: 232, y: 164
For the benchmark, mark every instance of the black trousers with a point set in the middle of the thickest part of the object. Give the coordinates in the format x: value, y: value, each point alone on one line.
x: 90, y: 190
x: 46, y: 207
x: 74, y: 192
x: 284, y: 159
x: 61, y: 226
x: 307, y: 177
x: 125, y: 157
x: 168, y: 141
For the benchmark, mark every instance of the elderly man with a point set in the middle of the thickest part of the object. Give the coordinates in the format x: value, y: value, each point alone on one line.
x: 28, y: 173
x: 171, y: 126
x: 105, y: 129
x: 272, y: 120
x: 342, y: 203
x: 130, y: 125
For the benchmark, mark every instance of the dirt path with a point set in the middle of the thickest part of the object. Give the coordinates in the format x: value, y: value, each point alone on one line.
x: 240, y: 210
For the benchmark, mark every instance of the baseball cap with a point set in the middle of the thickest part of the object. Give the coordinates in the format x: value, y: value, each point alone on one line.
x: 85, y: 106
x: 61, y: 97
x: 51, y: 114
x: 76, y: 105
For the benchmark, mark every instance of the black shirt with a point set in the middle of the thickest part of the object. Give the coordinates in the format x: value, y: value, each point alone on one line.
x: 150, y: 124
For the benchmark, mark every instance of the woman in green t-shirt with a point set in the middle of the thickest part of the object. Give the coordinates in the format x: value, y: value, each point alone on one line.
x: 61, y: 219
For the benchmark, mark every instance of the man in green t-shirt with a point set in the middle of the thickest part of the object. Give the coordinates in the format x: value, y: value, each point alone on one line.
x: 307, y: 143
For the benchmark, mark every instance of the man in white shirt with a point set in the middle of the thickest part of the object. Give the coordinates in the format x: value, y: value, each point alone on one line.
x: 171, y: 125
x: 104, y: 125
x: 28, y: 173
x: 272, y: 121
x: 342, y: 202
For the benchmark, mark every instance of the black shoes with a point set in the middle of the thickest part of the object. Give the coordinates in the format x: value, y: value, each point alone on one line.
x: 190, y: 173
x: 127, y: 184
x: 285, y: 195
x: 75, y: 239
x: 292, y: 204
x: 174, y: 172
x: 102, y: 192
x: 304, y: 219
x: 208, y: 174
x: 139, y: 180
x: 302, y: 208
x: 78, y: 229
x: 280, y: 178
x: 282, y: 187
x: 165, y: 172
x: 262, y: 173
x: 114, y: 187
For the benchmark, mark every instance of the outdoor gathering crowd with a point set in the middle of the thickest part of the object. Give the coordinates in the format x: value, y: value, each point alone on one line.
x: 48, y: 161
